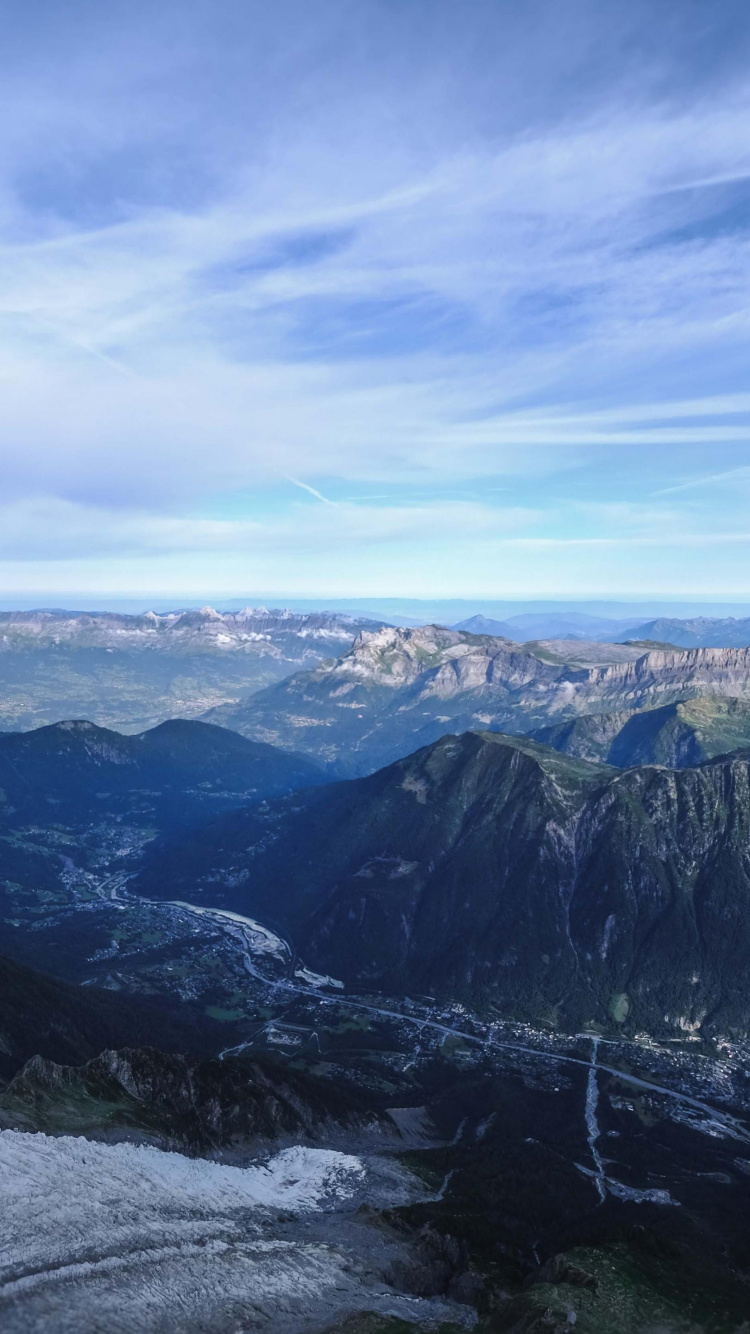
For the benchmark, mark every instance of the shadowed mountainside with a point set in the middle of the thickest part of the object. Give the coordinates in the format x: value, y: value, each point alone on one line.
x: 493, y: 869
x: 41, y: 1016
x: 182, y: 770
x: 677, y: 735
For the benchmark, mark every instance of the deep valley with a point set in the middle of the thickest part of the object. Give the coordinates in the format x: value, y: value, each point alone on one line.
x: 490, y: 998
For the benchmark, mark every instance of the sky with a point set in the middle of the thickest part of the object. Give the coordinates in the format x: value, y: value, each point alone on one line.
x: 370, y: 298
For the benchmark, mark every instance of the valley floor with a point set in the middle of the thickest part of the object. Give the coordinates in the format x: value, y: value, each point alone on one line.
x: 525, y: 1142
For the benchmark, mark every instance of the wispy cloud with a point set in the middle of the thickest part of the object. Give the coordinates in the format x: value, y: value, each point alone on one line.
x: 732, y: 477
x: 435, y: 259
x: 51, y: 529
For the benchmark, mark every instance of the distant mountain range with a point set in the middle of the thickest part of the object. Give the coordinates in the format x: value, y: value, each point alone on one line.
x: 549, y: 625
x: 397, y: 689
x: 495, y: 870
x: 254, y: 630
x: 691, y: 632
x: 483, y: 625
x: 133, y: 671
x: 697, y: 632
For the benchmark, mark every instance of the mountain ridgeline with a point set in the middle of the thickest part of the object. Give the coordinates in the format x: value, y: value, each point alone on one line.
x: 676, y: 735
x: 43, y: 1017
x: 683, y: 632
x: 398, y: 689
x: 695, y: 631
x: 494, y: 870
x: 180, y: 771
x: 177, y: 1102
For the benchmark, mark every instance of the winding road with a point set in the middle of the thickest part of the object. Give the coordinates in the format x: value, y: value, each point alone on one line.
x: 244, y: 930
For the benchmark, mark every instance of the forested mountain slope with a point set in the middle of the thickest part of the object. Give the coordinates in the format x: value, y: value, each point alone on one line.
x: 493, y: 869
x: 183, y: 770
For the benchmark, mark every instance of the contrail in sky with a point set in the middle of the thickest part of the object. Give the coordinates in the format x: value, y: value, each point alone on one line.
x: 312, y: 491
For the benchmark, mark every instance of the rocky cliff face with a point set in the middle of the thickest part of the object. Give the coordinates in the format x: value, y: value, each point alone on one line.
x: 398, y: 689
x: 661, y: 674
x: 178, y: 1102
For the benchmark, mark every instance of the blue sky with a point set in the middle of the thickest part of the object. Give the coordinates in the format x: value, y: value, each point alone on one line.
x: 376, y: 297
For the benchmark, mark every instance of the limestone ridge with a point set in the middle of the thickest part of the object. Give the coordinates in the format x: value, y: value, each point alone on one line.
x: 397, y: 689
x: 492, y: 869
x: 252, y: 630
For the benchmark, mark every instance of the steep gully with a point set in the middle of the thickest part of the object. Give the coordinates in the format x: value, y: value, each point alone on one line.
x: 592, y: 1123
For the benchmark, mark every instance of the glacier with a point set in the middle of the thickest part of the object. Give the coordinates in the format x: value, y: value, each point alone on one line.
x: 125, y: 1238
